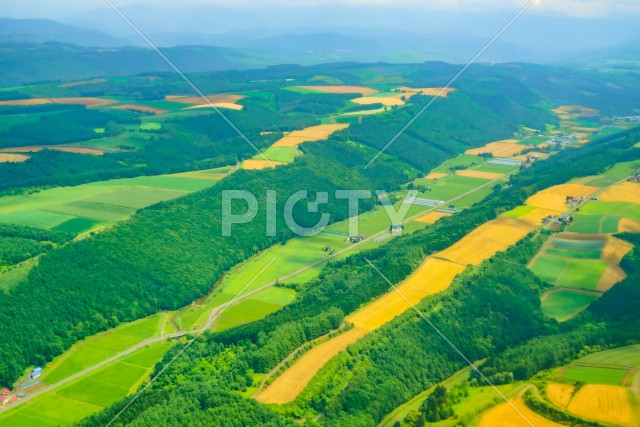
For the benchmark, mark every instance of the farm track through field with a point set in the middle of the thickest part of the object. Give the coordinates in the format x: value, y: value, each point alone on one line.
x: 217, y: 310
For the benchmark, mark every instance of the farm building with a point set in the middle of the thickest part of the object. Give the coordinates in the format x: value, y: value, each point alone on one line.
x: 5, y: 392
x: 35, y: 373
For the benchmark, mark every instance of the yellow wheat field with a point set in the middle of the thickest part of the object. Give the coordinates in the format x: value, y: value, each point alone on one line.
x: 615, y: 249
x: 226, y: 105
x: 387, y: 101
x: 627, y: 192
x: 254, y: 164
x: 13, y: 158
x: 560, y: 394
x: 471, y: 173
x: 198, y: 100
x: 555, y: 198
x: 568, y: 112
x: 486, y: 240
x: 313, y: 133
x: 604, y: 403
x: 82, y: 83
x: 88, y: 102
x: 504, y: 148
x: 287, y: 386
x: 504, y: 415
x: 429, y: 91
x: 364, y: 91
x: 612, y: 275
x: 436, y: 175
x: 628, y: 225
x: 536, y: 216
x: 431, y: 217
x: 433, y: 276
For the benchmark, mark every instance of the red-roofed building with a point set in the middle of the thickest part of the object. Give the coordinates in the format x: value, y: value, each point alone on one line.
x: 5, y: 392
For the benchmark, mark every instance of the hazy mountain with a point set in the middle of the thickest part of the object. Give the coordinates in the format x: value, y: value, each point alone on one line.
x: 27, y: 63
x: 43, y: 31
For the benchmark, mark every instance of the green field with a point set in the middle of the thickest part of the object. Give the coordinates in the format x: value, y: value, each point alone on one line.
x: 150, y: 126
x: 463, y: 160
x: 452, y: 186
x: 18, y: 273
x: 99, y: 347
x: 280, y: 154
x: 569, y: 273
x: 563, y: 304
x: 595, y: 375
x: 626, y: 210
x: 595, y: 224
x: 518, y: 212
x: 615, y: 174
x: 82, y: 207
x: 623, y: 357
x: 488, y: 167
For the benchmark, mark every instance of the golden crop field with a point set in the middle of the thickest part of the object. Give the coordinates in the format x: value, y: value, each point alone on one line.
x: 504, y: 415
x: 536, y: 216
x: 431, y: 217
x: 82, y: 83
x: 139, y: 109
x: 628, y: 225
x: 429, y: 91
x: 88, y: 102
x: 253, y: 164
x: 555, y: 198
x: 287, y: 386
x: 226, y: 105
x: 612, y: 275
x: 364, y: 91
x: 486, y: 240
x: 13, y: 158
x: 604, y: 403
x: 313, y: 133
x: 479, y: 174
x: 560, y: 394
x: 436, y: 175
x: 568, y: 112
x: 198, y: 100
x: 615, y: 249
x: 387, y: 101
x: 68, y: 149
x: 433, y: 276
x: 504, y: 148
x: 627, y: 192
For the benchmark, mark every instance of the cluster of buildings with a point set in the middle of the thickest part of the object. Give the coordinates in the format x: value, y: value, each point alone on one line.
x: 629, y: 119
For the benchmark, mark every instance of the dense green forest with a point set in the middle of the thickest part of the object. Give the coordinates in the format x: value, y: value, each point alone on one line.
x: 18, y: 243
x: 490, y: 309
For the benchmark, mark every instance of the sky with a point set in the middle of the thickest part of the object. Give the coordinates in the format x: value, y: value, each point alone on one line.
x: 574, y: 8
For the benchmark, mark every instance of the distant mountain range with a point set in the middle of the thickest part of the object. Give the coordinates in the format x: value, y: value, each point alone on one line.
x: 41, y: 50
x: 43, y: 31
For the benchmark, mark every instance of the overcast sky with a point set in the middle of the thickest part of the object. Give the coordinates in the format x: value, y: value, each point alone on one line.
x: 575, y: 8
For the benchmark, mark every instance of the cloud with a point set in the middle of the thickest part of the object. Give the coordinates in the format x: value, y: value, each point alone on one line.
x: 574, y: 8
